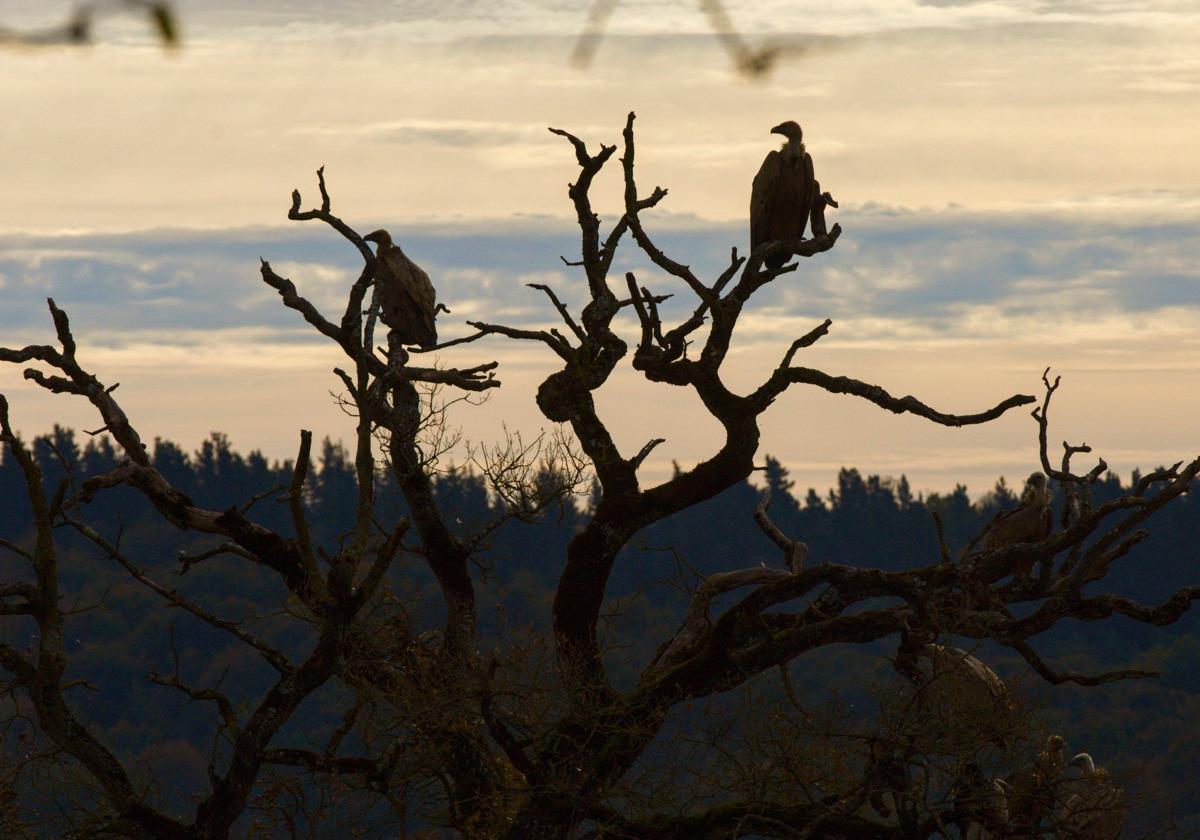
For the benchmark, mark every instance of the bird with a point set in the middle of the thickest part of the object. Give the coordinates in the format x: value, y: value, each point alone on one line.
x: 1097, y: 810
x: 1028, y: 522
x: 1032, y: 789
x: 963, y: 700
x: 982, y: 805
x: 407, y: 299
x: 896, y: 783
x: 956, y: 665
x: 783, y: 194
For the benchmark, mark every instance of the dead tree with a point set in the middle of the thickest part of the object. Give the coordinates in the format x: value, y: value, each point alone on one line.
x: 503, y: 768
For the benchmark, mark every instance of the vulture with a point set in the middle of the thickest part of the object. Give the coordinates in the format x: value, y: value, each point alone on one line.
x: 982, y: 805
x: 1097, y: 809
x: 962, y: 701
x: 784, y: 193
x: 1032, y: 789
x: 894, y: 789
x: 1028, y: 522
x: 407, y: 300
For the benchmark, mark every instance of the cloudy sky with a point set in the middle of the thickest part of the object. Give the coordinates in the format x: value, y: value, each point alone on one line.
x: 1018, y: 181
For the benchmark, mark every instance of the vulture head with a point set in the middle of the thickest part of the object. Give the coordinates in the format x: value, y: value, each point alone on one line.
x: 1055, y: 744
x: 1085, y: 763
x: 1035, y: 490
x: 790, y: 129
x: 380, y: 237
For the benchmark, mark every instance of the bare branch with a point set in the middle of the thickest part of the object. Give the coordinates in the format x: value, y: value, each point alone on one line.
x: 296, y: 506
x: 467, y: 339
x: 807, y: 340
x: 186, y: 561
x: 795, y: 552
x: 212, y: 695
x: 1059, y: 677
x: 634, y: 205
x: 941, y: 536
x: 562, y: 309
x: 782, y: 377
x: 292, y: 757
x: 269, y: 653
x: 292, y: 300
x: 697, y: 626
x: 636, y: 460
x: 555, y: 343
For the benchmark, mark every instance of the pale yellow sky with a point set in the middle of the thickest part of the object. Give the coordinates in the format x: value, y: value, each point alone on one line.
x: 425, y: 118
x: 437, y: 112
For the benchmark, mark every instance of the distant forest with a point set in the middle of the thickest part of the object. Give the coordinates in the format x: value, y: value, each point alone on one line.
x: 1142, y: 730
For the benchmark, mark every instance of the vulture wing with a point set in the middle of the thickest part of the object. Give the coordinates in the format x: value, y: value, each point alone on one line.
x: 780, y: 201
x: 961, y: 699
x: 763, y: 199
x: 1097, y: 812
x: 982, y: 803
x: 965, y: 675
x: 1046, y: 525
x: 407, y: 298
x: 1022, y: 524
x: 420, y: 290
x: 1025, y: 523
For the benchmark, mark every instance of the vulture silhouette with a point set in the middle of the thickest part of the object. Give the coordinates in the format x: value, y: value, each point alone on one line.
x: 958, y: 700
x: 1028, y: 522
x: 1033, y: 788
x: 1097, y: 810
x: 982, y: 805
x: 961, y: 700
x: 785, y: 194
x: 407, y: 299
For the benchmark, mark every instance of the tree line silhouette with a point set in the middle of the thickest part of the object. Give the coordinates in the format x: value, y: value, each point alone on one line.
x: 867, y: 521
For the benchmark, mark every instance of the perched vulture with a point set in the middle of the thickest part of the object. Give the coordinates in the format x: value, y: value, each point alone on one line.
x: 1032, y: 789
x: 783, y: 194
x: 407, y: 299
x: 962, y: 701
x: 895, y: 790
x: 982, y: 805
x: 1028, y: 522
x: 1097, y: 809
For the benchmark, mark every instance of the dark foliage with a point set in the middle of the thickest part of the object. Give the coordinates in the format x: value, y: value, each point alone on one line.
x: 868, y: 522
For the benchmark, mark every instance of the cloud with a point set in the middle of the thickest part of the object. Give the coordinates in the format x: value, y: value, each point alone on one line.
x: 939, y: 279
x: 456, y: 18
x: 456, y: 133
x: 958, y: 307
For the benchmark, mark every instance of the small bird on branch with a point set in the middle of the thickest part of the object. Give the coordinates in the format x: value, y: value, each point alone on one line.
x: 786, y: 195
x: 407, y: 299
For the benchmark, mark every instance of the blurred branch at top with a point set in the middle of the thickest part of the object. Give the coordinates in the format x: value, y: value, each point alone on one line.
x: 751, y: 61
x: 78, y: 28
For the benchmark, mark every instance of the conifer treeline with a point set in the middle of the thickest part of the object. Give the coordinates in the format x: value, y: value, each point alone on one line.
x: 869, y: 521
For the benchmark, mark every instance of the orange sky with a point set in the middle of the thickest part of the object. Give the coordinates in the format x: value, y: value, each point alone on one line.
x: 437, y: 113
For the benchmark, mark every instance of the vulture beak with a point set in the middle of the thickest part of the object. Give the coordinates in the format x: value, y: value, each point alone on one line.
x: 778, y: 130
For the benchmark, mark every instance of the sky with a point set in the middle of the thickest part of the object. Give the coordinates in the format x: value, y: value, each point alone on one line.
x: 1017, y: 181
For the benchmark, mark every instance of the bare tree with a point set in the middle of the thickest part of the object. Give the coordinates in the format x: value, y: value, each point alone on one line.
x: 532, y: 739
